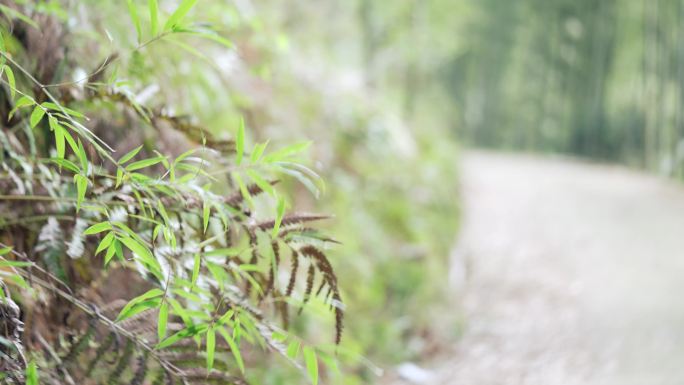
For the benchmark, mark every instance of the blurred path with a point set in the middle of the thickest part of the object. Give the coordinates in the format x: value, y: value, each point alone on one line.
x: 573, y: 274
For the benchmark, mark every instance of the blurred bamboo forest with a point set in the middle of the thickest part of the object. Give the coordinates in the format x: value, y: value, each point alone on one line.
x: 602, y: 79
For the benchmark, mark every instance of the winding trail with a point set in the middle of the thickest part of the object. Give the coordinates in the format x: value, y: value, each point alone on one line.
x: 568, y: 273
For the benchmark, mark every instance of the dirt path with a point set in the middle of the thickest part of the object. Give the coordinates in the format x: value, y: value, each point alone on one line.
x: 569, y: 273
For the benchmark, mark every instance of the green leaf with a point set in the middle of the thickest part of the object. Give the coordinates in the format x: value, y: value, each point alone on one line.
x: 11, y: 81
x: 287, y: 152
x: 125, y: 312
x: 293, y: 349
x: 258, y: 151
x: 211, y: 346
x: 16, y: 278
x: 233, y: 348
x: 12, y: 13
x: 163, y: 318
x: 119, y: 177
x: 189, y: 331
x: 263, y: 184
x: 81, y: 187
x: 280, y: 212
x: 130, y: 155
x: 22, y: 102
x: 206, y: 213
x: 4, y: 263
x: 105, y: 242
x: 196, y: 268
x: 98, y: 228
x: 59, y: 136
x: 110, y: 252
x: 144, y: 163
x: 5, y: 250
x: 69, y: 165
x: 154, y: 16
x: 243, y: 189
x: 144, y: 254
x: 31, y: 374
x: 133, y: 11
x: 57, y: 108
x: 82, y: 158
x: 240, y: 142
x: 36, y: 116
x: 311, y: 364
x: 179, y: 13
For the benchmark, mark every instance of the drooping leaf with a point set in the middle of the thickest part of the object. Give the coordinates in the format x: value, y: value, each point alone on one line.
x: 211, y: 346
x: 144, y: 254
x: 36, y: 116
x: 125, y: 312
x: 162, y: 321
x: 81, y: 187
x: 133, y: 12
x: 196, y: 268
x: 59, y: 136
x: 293, y: 350
x: 11, y: 81
x: 206, y: 213
x: 240, y: 142
x: 280, y: 212
x: 31, y: 373
x: 230, y: 340
x: 154, y: 16
x: 311, y: 362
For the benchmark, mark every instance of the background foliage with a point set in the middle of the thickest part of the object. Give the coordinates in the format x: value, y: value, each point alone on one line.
x: 598, y: 79
x: 359, y: 79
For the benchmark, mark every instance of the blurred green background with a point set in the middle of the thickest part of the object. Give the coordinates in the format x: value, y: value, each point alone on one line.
x: 387, y: 90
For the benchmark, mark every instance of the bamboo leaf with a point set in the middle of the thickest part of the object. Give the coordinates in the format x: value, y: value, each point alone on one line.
x: 59, y: 136
x: 233, y: 348
x: 82, y: 158
x: 36, y: 116
x: 22, y: 102
x: 240, y: 142
x: 179, y: 13
x: 133, y: 12
x: 196, y: 268
x: 293, y: 349
x: 69, y: 165
x: 129, y: 155
x: 263, y: 184
x: 98, y: 228
x: 280, y: 212
x: 31, y: 374
x: 81, y: 187
x: 144, y: 254
x: 105, y: 242
x: 211, y: 346
x: 189, y: 331
x: 11, y: 81
x: 311, y: 364
x: 206, y: 213
x: 258, y: 151
x: 55, y: 107
x: 162, y: 321
x: 154, y: 16
x: 4, y: 263
x: 144, y: 163
x: 126, y: 311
